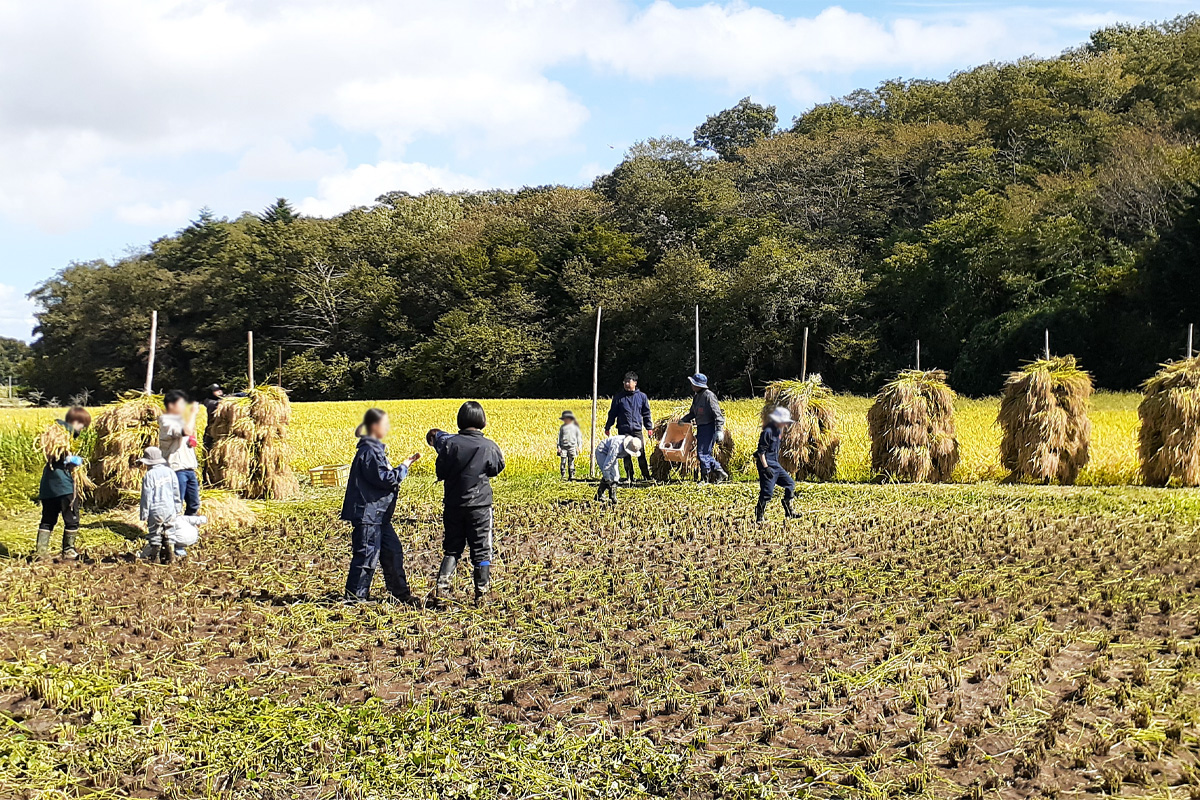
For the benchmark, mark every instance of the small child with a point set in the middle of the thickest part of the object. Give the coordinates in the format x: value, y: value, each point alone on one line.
x: 159, y: 506
x: 608, y: 458
x: 570, y: 442
x: 437, y: 438
x: 770, y: 473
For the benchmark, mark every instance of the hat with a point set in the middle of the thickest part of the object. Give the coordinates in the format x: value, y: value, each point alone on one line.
x: 781, y: 414
x: 633, y: 445
x: 699, y: 380
x: 567, y: 415
x: 153, y: 457
x: 216, y: 387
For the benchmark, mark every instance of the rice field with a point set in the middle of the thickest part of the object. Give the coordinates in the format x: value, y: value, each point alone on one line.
x: 322, y: 433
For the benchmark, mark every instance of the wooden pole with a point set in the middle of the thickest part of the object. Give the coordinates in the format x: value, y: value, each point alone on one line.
x: 595, y: 391
x: 1047, y: 344
x: 1191, y: 329
x: 280, y: 372
x: 918, y: 355
x: 153, y: 347
x: 250, y: 356
x: 804, y: 356
x: 697, y: 339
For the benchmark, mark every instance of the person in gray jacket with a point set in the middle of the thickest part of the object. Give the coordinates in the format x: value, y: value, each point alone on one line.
x: 159, y: 506
x: 570, y: 442
x: 710, y: 428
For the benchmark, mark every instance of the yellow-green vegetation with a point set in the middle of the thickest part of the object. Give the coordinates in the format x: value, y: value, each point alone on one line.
x: 323, y: 433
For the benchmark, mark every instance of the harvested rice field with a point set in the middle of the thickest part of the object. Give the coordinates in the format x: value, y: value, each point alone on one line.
x: 956, y: 640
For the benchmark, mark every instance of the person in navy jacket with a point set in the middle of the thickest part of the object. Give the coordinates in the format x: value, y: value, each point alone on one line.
x: 770, y: 473
x: 369, y: 505
x: 630, y: 411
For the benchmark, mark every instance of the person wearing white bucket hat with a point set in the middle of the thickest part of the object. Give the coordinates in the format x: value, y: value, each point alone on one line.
x: 608, y: 458
x: 160, y: 504
x: 770, y: 473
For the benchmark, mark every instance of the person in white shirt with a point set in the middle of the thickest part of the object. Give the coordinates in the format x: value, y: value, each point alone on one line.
x: 177, y: 440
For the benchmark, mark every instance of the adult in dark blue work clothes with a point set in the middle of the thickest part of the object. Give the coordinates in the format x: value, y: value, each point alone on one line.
x: 770, y: 473
x: 630, y: 411
x: 369, y: 505
x: 710, y: 428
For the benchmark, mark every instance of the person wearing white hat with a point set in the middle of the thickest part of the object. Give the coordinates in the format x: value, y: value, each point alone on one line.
x: 608, y: 458
x: 770, y: 473
x: 710, y: 427
x: 159, y: 506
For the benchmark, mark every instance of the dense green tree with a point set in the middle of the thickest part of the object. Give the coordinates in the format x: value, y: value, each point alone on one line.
x: 729, y: 131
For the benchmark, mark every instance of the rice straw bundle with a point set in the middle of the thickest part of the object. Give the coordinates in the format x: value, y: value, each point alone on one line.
x: 911, y: 424
x: 809, y: 446
x: 1044, y: 416
x: 251, y: 455
x: 124, y: 430
x: 55, y: 444
x: 660, y: 468
x: 1169, y: 440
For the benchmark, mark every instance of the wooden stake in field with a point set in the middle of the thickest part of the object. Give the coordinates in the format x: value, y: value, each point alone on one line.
x: 697, y: 339
x: 595, y: 391
x: 1047, y: 351
x: 1190, y: 350
x: 150, y: 360
x: 250, y: 356
x: 804, y: 356
x: 918, y: 355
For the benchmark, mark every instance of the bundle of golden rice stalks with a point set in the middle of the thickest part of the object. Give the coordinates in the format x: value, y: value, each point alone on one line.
x: 809, y: 446
x: 54, y: 442
x: 661, y: 469
x: 124, y: 430
x: 250, y: 454
x: 1044, y: 416
x: 911, y: 424
x: 1169, y: 440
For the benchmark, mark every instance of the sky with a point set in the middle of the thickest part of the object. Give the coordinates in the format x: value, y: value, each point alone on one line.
x: 121, y: 119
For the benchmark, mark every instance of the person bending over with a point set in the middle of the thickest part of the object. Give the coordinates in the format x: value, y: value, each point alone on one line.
x: 608, y: 455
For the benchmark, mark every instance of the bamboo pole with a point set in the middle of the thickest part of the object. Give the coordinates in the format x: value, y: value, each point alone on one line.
x: 153, y: 349
x: 250, y: 356
x: 595, y: 392
x: 804, y: 357
x: 280, y: 372
x: 697, y: 338
x: 1047, y: 344
x: 918, y: 355
x: 1191, y: 329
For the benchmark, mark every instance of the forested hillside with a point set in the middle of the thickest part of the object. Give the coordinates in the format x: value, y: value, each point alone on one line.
x: 971, y: 214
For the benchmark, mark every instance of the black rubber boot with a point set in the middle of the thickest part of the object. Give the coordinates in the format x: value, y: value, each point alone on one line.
x: 43, y: 544
x: 612, y: 493
x: 788, y: 511
x: 150, y: 553
x: 760, y: 511
x: 719, y: 475
x: 68, y: 548
x: 483, y: 581
x: 445, y: 578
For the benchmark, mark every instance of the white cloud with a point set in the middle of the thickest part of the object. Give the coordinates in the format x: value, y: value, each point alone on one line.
x: 96, y: 97
x: 174, y: 212
x: 16, y: 313
x: 361, y: 185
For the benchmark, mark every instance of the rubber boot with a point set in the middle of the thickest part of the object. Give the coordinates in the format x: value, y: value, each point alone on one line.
x: 760, y: 511
x: 149, y: 553
x: 719, y: 475
x: 167, y: 552
x: 68, y: 548
x: 43, y: 544
x: 603, y: 488
x: 445, y: 577
x: 788, y: 511
x: 612, y: 493
x: 483, y: 581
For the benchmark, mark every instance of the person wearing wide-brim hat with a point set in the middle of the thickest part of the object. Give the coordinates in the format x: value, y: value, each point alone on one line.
x: 710, y: 427
x: 608, y: 457
x: 570, y: 442
x: 159, y: 505
x: 770, y: 473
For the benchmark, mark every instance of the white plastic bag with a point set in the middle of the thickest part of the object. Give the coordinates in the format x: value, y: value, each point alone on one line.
x: 185, y: 531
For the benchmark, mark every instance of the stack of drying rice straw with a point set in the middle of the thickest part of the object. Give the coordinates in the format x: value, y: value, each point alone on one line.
x: 1169, y: 440
x: 55, y: 445
x: 1044, y: 416
x: 809, y: 446
x: 124, y: 430
x: 250, y: 454
x: 912, y: 430
x: 660, y: 468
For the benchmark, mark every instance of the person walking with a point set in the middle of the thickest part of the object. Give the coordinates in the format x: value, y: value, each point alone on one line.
x: 177, y: 440
x: 466, y: 463
x: 57, y: 494
x: 710, y: 428
x: 630, y: 412
x: 570, y: 442
x: 770, y: 473
x: 608, y: 455
x: 369, y: 505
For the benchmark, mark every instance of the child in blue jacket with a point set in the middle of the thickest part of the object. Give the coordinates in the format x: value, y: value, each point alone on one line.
x: 369, y: 506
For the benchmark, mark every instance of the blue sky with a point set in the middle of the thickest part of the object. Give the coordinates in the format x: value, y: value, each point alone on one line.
x: 120, y: 120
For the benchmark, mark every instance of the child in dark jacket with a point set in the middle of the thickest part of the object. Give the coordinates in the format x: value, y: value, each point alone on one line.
x: 369, y: 506
x: 466, y: 463
x: 770, y: 472
x: 57, y: 491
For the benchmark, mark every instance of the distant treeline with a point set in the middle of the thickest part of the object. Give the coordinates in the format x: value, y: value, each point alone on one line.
x: 971, y: 214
